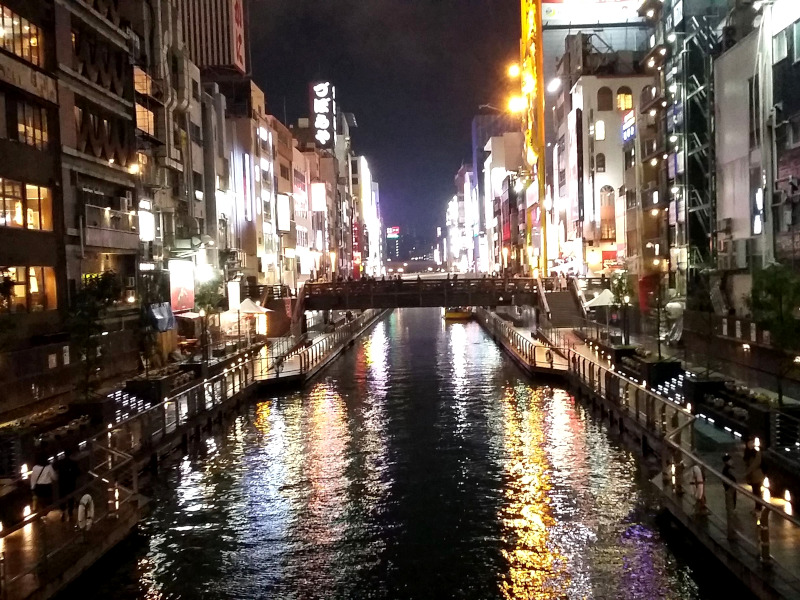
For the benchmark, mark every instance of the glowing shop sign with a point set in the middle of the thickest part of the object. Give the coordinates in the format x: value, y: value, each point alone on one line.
x: 628, y: 125
x: 323, y: 113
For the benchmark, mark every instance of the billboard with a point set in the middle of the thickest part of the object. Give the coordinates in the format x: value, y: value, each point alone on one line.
x: 555, y: 12
x: 323, y: 112
x: 181, y: 285
x: 284, y: 213
x: 392, y: 233
x: 319, y: 197
x: 237, y: 35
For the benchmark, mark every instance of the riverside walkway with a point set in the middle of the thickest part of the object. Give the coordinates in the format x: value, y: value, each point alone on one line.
x: 42, y: 554
x: 758, y: 540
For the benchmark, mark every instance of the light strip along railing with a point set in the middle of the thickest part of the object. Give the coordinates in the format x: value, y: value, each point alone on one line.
x: 675, y: 424
x: 535, y: 355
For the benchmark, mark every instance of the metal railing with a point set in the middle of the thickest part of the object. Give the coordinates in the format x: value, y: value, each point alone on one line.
x: 40, y: 548
x: 327, y: 344
x: 534, y: 354
x: 769, y: 538
x: 100, y: 217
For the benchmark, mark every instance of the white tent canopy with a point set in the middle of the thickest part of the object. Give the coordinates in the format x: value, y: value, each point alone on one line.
x: 605, y: 298
x: 249, y: 307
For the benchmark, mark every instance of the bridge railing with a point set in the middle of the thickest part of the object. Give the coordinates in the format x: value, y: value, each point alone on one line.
x: 412, y: 286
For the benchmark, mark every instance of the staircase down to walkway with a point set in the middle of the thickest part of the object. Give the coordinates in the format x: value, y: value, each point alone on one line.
x: 564, y: 310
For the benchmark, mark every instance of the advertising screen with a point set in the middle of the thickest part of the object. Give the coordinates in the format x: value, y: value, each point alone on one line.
x: 181, y: 285
x: 284, y: 213
x: 589, y: 11
x: 392, y: 233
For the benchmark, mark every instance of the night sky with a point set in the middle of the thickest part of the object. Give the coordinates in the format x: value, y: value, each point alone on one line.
x: 412, y: 71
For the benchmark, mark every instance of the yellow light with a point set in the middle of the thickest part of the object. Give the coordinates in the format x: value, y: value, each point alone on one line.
x: 517, y: 104
x: 766, y: 482
x: 787, y: 496
x: 654, y: 162
x: 513, y: 71
x: 654, y: 212
x: 32, y: 281
x: 656, y: 262
x: 134, y: 169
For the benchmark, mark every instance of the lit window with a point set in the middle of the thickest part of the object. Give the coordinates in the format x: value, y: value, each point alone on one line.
x: 600, y: 130
x: 11, y: 202
x: 145, y: 120
x: 624, y: 99
x: 21, y: 37
x: 32, y: 125
x: 39, y: 208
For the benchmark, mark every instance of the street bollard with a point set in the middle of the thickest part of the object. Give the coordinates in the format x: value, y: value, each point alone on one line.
x: 763, y: 537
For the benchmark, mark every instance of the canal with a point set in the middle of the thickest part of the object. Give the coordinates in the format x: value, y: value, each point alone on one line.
x: 422, y: 464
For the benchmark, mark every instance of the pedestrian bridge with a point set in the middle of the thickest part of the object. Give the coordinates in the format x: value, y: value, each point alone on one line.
x: 407, y: 293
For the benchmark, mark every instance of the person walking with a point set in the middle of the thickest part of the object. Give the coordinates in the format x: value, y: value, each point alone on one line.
x: 753, y: 474
x: 43, y: 477
x: 67, y: 471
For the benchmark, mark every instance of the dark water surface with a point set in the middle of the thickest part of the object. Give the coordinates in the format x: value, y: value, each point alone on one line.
x: 422, y: 464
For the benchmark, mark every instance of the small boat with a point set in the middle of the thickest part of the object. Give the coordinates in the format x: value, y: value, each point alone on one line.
x: 459, y: 313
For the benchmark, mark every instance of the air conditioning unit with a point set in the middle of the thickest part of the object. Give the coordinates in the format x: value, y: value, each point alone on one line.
x: 725, y: 226
x: 123, y: 203
x: 740, y: 254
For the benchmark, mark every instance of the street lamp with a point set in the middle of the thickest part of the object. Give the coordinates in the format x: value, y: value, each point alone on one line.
x: 554, y: 85
x: 513, y: 71
x: 517, y: 104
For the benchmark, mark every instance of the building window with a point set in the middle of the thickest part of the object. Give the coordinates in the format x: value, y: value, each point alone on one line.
x: 23, y: 206
x: 29, y: 289
x: 600, y: 130
x: 624, y: 99
x: 21, y: 37
x: 32, y: 125
x: 38, y: 208
x: 12, y: 202
x: 605, y: 99
x: 780, y: 46
x: 607, y: 196
x: 145, y: 120
x: 195, y: 89
x: 600, y: 163
x: 796, y: 36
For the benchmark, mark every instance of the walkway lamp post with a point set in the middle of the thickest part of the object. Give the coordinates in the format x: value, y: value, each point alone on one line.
x: 626, y: 333
x: 204, y: 336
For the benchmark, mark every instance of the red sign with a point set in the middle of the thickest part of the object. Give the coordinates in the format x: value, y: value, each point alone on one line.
x: 181, y: 285
x: 237, y: 35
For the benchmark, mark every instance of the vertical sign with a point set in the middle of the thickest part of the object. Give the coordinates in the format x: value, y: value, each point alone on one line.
x: 181, y: 285
x: 237, y: 35
x: 323, y: 113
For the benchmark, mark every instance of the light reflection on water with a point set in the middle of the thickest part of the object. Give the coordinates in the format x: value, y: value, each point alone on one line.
x: 421, y: 465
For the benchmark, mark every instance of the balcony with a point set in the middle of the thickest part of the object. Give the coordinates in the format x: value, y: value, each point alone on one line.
x: 109, y: 228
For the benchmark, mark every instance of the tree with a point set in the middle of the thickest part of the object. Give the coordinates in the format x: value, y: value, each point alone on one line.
x: 208, y: 296
x: 85, y: 325
x: 774, y: 302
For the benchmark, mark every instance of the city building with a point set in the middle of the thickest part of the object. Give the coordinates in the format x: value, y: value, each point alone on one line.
x: 34, y: 292
x: 599, y: 89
